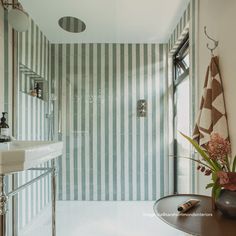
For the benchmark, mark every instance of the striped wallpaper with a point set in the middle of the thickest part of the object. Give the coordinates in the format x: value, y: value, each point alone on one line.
x: 180, y: 30
x: 31, y: 126
x: 31, y: 123
x: 6, y: 84
x: 33, y: 49
x: 33, y: 52
x: 5, y: 65
x: 111, y: 154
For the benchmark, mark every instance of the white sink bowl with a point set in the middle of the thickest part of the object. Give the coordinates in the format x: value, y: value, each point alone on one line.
x: 21, y: 155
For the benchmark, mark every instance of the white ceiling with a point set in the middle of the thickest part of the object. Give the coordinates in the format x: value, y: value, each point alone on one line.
x: 108, y: 21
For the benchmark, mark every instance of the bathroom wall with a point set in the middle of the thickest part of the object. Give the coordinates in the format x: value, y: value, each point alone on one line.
x: 33, y: 52
x: 180, y: 31
x: 6, y: 86
x: 34, y: 49
x: 219, y: 17
x: 111, y: 154
x: 5, y: 66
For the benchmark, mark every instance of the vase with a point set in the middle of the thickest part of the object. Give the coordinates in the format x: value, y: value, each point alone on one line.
x: 226, y: 203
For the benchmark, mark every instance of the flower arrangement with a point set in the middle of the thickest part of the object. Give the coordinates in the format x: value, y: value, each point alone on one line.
x: 217, y: 162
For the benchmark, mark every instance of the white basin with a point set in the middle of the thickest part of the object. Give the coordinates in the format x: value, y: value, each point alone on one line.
x: 21, y: 155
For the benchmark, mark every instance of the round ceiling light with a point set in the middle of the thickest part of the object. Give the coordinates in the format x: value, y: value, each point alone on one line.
x: 72, y: 24
x: 18, y: 19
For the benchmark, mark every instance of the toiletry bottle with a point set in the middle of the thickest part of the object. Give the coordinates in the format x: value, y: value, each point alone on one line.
x: 4, y: 130
x: 38, y: 90
x: 33, y: 93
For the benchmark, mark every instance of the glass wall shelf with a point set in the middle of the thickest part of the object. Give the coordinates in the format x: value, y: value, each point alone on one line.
x: 28, y: 80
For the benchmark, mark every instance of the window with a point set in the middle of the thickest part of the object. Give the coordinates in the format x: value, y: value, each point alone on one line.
x: 181, y: 61
x: 181, y: 118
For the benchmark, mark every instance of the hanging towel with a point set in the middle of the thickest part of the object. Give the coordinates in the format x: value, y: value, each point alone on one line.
x: 212, y: 115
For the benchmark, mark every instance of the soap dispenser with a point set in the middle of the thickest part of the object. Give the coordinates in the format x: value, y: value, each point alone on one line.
x: 4, y: 130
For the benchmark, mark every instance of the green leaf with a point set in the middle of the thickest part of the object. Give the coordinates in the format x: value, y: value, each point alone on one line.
x: 227, y: 164
x: 210, y: 185
x: 217, y: 192
x: 201, y: 152
x: 213, y: 191
x: 234, y: 165
x: 214, y: 177
x: 198, y: 161
x: 217, y: 164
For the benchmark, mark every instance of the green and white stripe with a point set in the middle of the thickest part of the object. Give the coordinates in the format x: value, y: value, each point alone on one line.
x: 180, y: 30
x: 33, y: 52
x: 6, y: 83
x: 5, y: 65
x: 111, y: 154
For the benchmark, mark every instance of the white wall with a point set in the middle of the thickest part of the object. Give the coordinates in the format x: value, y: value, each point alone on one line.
x: 220, y: 16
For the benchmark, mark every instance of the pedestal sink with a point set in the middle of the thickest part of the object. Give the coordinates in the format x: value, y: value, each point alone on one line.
x: 22, y: 155
x: 18, y: 156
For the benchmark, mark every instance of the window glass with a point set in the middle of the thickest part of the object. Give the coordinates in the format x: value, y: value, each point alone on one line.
x: 181, y: 119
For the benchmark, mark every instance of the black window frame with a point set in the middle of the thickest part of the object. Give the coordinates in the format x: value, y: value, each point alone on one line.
x: 178, y: 57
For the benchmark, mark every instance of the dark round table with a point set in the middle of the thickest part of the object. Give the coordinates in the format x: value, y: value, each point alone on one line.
x: 200, y: 220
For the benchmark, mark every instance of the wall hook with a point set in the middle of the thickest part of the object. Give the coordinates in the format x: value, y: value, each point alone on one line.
x: 216, y: 43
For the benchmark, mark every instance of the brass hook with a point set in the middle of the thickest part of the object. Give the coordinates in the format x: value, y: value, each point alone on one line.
x: 215, y: 42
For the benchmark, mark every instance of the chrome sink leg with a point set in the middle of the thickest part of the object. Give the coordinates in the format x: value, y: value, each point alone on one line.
x: 53, y: 183
x: 3, y: 206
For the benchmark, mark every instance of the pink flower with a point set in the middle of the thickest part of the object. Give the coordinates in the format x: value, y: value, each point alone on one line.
x: 218, y: 148
x: 227, y: 180
x: 223, y: 177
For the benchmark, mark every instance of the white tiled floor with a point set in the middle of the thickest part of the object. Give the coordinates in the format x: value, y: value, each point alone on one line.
x: 104, y: 219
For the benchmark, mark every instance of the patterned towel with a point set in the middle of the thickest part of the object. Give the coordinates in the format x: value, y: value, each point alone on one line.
x: 212, y: 115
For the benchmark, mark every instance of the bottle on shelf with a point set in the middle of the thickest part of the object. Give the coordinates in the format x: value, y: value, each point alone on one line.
x: 38, y: 90
x: 4, y: 130
x: 33, y: 93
